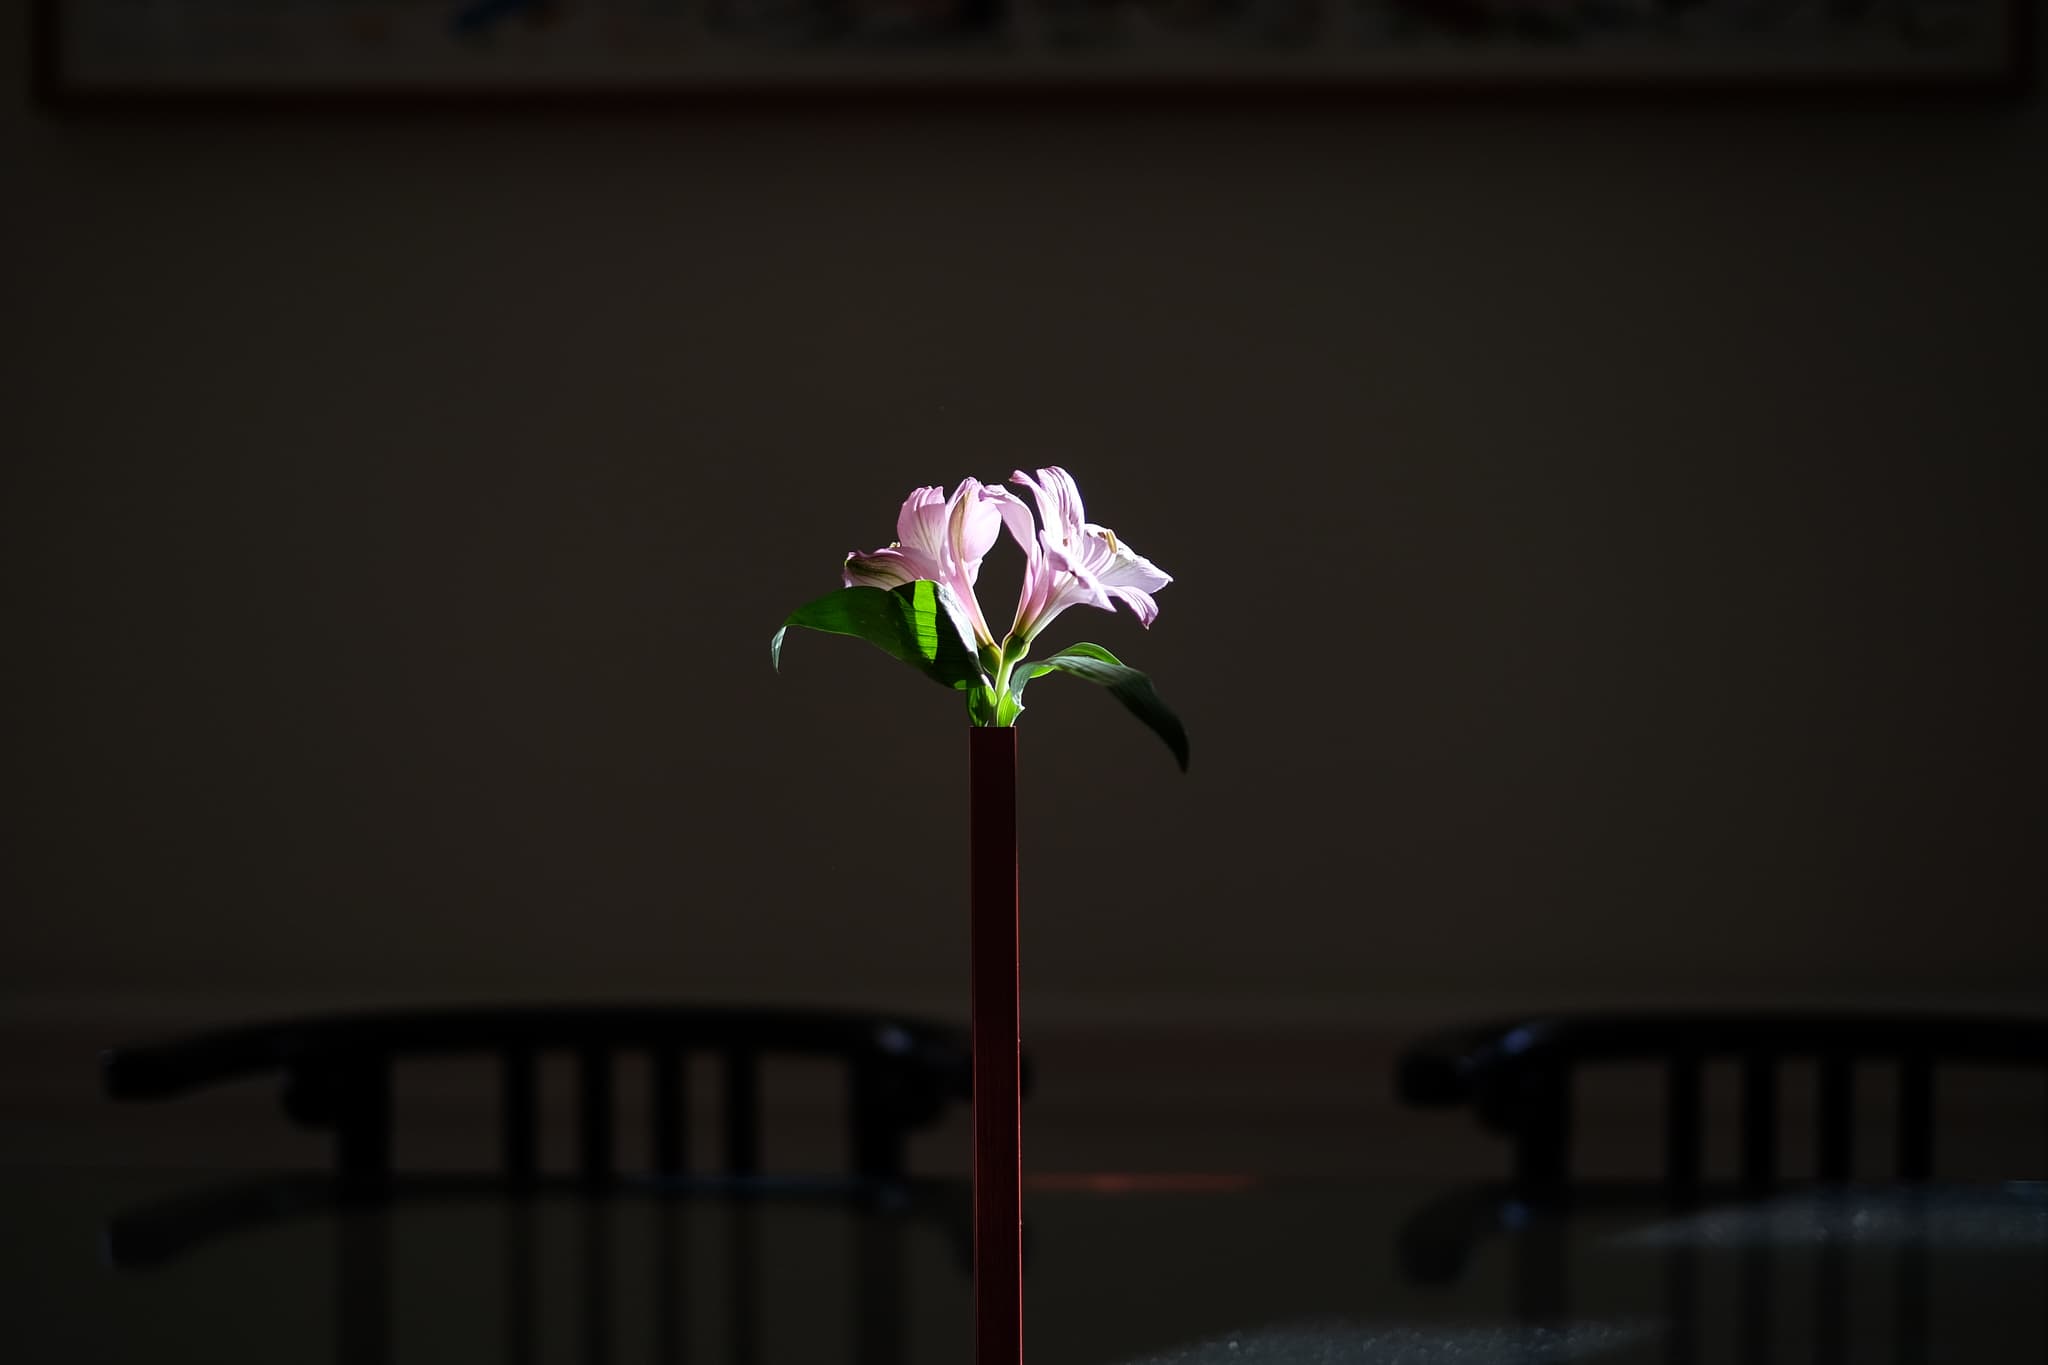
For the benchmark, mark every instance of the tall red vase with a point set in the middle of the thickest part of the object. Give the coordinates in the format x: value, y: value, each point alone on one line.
x: 997, y: 1032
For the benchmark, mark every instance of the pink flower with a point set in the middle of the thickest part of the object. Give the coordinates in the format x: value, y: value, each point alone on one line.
x: 1072, y: 561
x: 944, y: 540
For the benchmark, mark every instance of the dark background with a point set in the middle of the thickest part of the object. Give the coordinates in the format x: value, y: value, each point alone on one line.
x: 1607, y: 541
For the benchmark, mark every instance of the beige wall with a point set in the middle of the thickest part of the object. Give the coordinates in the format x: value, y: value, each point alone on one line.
x: 1608, y: 546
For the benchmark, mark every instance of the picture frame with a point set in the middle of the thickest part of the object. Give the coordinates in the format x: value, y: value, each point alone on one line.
x: 105, y: 53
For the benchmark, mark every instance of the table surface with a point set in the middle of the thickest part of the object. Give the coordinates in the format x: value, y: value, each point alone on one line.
x: 111, y: 1265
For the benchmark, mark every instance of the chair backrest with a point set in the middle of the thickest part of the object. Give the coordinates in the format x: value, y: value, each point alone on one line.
x: 337, y: 1071
x: 1516, y: 1076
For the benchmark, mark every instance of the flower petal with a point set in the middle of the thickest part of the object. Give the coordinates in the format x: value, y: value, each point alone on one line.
x: 1141, y: 604
x: 1079, y: 565
x: 1059, y: 502
x: 1077, y: 562
x: 1015, y: 515
x: 921, y: 524
x: 972, y: 525
x: 1016, y: 518
x: 1126, y: 568
x: 883, y: 569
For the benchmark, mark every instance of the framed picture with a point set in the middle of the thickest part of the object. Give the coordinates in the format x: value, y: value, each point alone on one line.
x: 562, y: 51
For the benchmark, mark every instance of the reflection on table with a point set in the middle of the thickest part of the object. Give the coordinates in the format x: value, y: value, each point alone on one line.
x: 1121, y: 1270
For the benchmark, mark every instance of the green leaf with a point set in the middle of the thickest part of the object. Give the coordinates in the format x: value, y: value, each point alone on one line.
x: 910, y: 622
x: 1127, y: 685
x: 981, y: 706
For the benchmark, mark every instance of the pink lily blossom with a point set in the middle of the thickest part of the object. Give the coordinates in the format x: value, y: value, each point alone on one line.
x: 941, y: 543
x: 944, y: 540
x: 1072, y: 561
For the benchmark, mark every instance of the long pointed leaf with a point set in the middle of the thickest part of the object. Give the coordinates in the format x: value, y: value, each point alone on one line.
x: 913, y: 622
x: 1126, y: 684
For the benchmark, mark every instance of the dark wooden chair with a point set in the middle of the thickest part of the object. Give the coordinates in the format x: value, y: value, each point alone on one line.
x: 902, y: 1075
x: 1516, y: 1077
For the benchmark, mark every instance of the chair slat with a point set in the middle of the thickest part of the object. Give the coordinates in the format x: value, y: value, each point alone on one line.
x: 1834, y: 1156
x: 1759, y: 1122
x: 742, y: 1118
x: 671, y: 1119
x: 1916, y: 1119
x: 519, y: 1117
x: 1683, y: 1120
x: 1543, y: 1135
x: 595, y: 1116
x: 362, y: 1094
x: 878, y: 1142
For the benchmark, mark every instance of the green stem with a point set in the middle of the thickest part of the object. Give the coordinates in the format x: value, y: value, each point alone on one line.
x: 1007, y: 658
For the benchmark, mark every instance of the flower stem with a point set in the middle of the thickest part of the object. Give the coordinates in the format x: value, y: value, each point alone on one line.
x: 1007, y: 658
